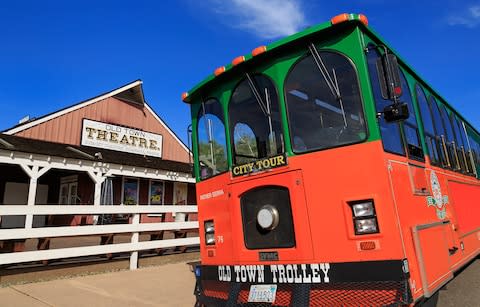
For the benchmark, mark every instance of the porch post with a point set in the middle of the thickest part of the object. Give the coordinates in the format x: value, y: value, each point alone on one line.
x: 98, y: 179
x: 34, y: 173
x: 32, y: 193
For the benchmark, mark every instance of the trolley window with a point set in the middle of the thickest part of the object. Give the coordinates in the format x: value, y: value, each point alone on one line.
x: 428, y: 128
x: 212, y: 150
x: 255, y: 124
x: 323, y: 102
x: 410, y: 125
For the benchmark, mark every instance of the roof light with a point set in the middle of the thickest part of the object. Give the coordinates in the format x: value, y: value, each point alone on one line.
x: 238, y: 60
x: 363, y: 19
x: 219, y: 71
x: 184, y: 96
x: 340, y: 18
x: 259, y: 50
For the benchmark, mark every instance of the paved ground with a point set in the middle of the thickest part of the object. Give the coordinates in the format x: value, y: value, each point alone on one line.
x: 464, y: 290
x: 171, y: 285
x: 166, y: 285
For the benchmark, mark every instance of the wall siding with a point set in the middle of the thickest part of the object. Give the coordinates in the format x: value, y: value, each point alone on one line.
x: 67, y: 128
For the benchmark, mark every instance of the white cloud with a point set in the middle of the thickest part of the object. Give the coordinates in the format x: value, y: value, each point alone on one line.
x: 470, y: 18
x: 266, y: 19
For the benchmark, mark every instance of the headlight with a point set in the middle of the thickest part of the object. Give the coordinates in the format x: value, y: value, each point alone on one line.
x: 268, y: 217
x: 366, y: 226
x: 363, y: 209
x: 364, y: 217
x: 209, y: 227
x: 209, y: 238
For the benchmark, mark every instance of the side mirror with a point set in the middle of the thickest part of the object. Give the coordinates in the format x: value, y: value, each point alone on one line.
x: 389, y: 77
x: 192, y: 165
x: 396, y: 112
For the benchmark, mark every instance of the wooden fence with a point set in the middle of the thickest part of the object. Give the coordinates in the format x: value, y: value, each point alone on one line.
x: 135, y: 227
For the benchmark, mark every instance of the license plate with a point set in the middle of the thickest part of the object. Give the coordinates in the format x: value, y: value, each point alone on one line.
x: 262, y: 293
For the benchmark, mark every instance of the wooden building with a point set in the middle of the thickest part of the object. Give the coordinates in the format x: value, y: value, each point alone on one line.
x: 107, y: 150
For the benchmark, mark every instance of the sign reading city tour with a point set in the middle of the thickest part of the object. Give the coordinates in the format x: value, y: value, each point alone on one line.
x: 113, y: 137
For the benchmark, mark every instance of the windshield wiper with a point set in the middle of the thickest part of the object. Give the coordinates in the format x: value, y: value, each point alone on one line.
x: 256, y: 94
x: 209, y: 131
x: 332, y: 82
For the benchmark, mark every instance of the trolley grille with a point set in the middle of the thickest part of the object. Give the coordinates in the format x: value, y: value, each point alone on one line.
x: 386, y: 293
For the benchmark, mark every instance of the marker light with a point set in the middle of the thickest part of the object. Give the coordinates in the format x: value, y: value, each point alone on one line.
x: 198, y: 271
x: 259, y: 50
x: 367, y: 245
x: 363, y: 19
x: 184, y: 96
x: 238, y: 60
x: 397, y: 91
x: 219, y: 71
x: 340, y: 18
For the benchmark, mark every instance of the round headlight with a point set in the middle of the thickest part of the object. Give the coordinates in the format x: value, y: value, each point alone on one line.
x: 268, y: 217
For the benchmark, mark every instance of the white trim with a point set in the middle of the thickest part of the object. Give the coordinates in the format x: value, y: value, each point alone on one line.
x: 89, y: 209
x: 72, y: 108
x: 19, y: 257
x: 107, y: 169
x: 167, y: 128
x: 71, y: 231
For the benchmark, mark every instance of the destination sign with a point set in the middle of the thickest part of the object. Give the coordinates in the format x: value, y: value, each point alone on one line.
x: 259, y: 165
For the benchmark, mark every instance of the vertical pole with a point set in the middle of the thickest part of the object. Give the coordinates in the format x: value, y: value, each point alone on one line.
x: 32, y: 192
x: 135, y: 237
x: 98, y: 179
x: 96, y: 197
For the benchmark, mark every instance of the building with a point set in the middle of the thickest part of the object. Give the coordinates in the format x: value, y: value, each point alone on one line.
x: 110, y: 149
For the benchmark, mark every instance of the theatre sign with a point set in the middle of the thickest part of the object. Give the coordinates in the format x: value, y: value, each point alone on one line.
x: 113, y: 137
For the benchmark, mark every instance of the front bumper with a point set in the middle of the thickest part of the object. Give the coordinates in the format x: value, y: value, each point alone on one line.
x: 370, y: 283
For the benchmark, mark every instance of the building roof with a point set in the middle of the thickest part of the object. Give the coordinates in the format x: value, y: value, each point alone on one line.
x: 130, y: 93
x: 26, y: 145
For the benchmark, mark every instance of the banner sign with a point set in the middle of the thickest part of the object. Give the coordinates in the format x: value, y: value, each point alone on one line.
x: 259, y: 165
x: 113, y: 137
x: 308, y: 273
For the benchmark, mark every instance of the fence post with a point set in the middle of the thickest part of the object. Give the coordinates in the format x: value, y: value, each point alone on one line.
x: 135, y: 237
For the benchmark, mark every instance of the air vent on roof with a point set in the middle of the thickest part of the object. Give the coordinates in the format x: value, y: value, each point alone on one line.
x: 24, y: 119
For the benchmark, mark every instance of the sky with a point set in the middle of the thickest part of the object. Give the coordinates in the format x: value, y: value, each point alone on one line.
x: 54, y: 54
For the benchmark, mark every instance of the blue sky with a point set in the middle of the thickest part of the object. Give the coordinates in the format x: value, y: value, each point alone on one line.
x: 56, y: 53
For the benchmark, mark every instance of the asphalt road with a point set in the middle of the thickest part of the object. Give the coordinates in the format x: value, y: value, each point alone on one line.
x: 463, y: 290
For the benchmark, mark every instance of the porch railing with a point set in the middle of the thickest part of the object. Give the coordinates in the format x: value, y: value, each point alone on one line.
x: 135, y: 227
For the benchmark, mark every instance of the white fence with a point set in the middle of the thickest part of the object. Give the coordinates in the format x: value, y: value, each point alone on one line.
x: 135, y: 227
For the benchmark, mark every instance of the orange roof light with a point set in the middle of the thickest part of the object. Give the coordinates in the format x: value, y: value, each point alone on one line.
x: 363, y: 19
x: 340, y: 18
x: 184, y: 96
x: 219, y: 71
x: 238, y: 60
x: 259, y: 50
